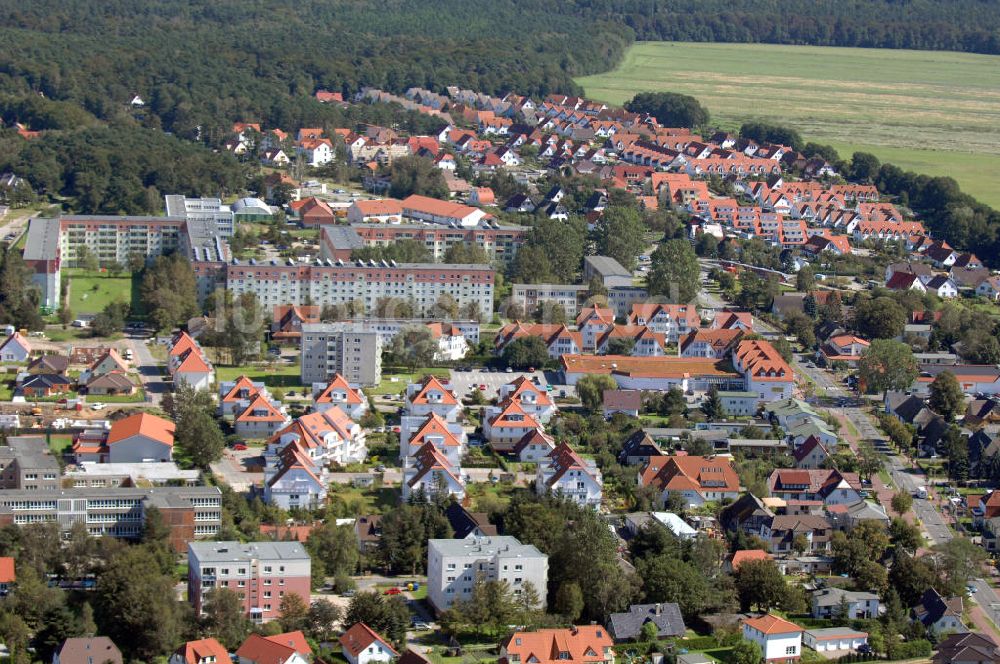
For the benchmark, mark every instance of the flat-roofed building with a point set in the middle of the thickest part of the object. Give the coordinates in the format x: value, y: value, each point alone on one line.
x: 190, y: 512
x: 455, y: 565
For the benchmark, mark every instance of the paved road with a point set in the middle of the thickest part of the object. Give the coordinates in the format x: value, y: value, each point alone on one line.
x: 150, y: 370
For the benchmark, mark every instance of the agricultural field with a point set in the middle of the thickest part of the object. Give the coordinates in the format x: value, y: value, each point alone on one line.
x: 932, y: 112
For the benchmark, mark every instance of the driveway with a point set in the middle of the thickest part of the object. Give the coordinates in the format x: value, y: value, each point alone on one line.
x: 232, y: 468
x: 150, y: 371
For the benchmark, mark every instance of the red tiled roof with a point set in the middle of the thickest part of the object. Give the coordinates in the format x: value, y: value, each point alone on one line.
x: 142, y: 424
x: 772, y: 624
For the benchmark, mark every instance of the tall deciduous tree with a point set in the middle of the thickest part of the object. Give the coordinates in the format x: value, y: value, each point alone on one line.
x: 946, y: 396
x: 674, y: 273
x: 136, y: 606
x: 879, y: 318
x: 225, y: 618
x: 887, y: 365
x: 671, y: 109
x: 591, y: 388
x: 619, y: 234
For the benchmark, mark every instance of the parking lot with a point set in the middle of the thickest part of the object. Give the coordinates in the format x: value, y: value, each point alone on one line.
x: 462, y: 382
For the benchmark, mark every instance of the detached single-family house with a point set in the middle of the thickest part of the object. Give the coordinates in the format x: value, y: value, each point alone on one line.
x: 202, y: 651
x: 429, y: 473
x: 831, y: 602
x: 780, y: 640
x: 697, y: 479
x: 338, y: 392
x: 290, y: 648
x: 627, y: 626
x: 261, y: 418
x: 942, y: 614
x: 534, y: 446
x: 362, y: 645
x: 566, y: 473
x: 432, y: 396
x: 638, y: 449
x: 15, y: 348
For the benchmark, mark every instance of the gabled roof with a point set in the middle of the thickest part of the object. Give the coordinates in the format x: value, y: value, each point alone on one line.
x: 296, y: 640
x: 808, y: 445
x: 586, y: 643
x: 182, y: 343
x: 435, y: 425
x: 111, y: 354
x: 429, y: 459
x: 7, y: 574
x: 311, y: 428
x: 192, y: 361
x: 194, y: 652
x: 338, y: 382
x: 719, y: 340
x: 142, y: 424
x: 521, y: 385
x: 563, y: 459
x: 239, y: 385
x: 534, y: 437
x: 16, y: 339
x: 508, y: 411
x: 696, y: 473
x: 359, y: 637
x: 261, y: 650
x: 748, y: 555
x: 260, y: 410
x: 772, y: 624
x: 433, y: 383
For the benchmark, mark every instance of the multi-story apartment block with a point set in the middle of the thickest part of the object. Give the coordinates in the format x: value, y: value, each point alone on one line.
x: 207, y: 209
x: 499, y: 242
x: 455, y: 565
x: 260, y: 573
x: 340, y: 348
x: 43, y: 258
x: 25, y: 463
x: 191, y: 512
x: 363, y: 284
x: 116, y: 239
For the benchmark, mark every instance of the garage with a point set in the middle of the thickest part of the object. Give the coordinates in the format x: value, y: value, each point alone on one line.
x: 833, y: 639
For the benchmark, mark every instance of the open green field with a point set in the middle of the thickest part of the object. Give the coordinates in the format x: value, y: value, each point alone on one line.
x: 90, y: 292
x: 930, y: 111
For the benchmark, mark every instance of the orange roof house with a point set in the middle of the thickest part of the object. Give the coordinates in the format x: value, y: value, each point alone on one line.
x: 136, y: 438
x: 747, y: 555
x: 586, y: 644
x: 338, y: 392
x: 697, y: 479
x: 359, y: 638
x: 289, y: 319
x: 201, y: 651
x: 7, y: 573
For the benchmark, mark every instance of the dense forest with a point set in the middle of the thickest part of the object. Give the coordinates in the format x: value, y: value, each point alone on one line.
x: 195, y: 62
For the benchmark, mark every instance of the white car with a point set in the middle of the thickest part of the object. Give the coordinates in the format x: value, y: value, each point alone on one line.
x: 98, y: 406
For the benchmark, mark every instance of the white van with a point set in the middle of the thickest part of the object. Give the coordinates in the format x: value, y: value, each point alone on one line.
x: 921, y: 492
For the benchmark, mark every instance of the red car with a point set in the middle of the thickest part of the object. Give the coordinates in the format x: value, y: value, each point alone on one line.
x: 240, y: 447
x: 392, y: 591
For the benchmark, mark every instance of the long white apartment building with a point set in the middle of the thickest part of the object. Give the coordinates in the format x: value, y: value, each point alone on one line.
x: 455, y: 565
x: 363, y: 283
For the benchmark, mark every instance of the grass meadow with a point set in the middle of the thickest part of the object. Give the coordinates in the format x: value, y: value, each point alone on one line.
x: 930, y: 111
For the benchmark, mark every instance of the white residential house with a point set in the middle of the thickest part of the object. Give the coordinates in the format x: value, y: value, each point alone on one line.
x: 532, y: 399
x: 15, y: 348
x: 507, y: 423
x: 534, y: 447
x: 829, y: 602
x: 779, y: 640
x: 338, y: 392
x: 432, y: 396
x: 363, y: 645
x: 566, y: 473
x: 449, y: 438
x: 430, y: 473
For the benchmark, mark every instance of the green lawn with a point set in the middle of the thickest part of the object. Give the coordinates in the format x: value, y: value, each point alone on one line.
x: 390, y: 386
x: 280, y: 374
x: 933, y: 112
x: 90, y: 292
x: 59, y: 443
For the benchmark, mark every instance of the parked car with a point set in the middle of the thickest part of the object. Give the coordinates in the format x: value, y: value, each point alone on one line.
x: 392, y: 591
x: 98, y: 406
x: 240, y: 447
